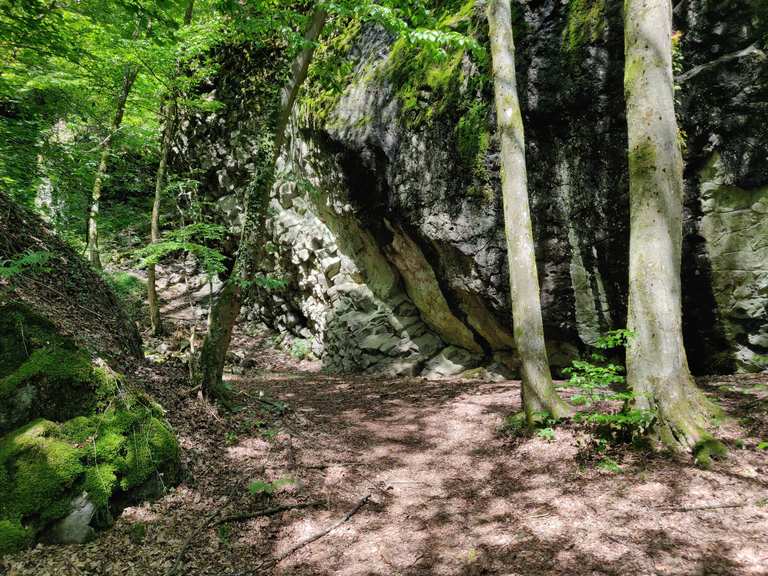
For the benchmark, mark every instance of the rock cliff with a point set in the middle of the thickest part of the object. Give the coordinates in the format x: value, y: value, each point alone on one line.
x: 387, y: 219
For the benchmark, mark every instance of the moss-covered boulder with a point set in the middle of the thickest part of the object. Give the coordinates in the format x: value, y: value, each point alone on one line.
x: 44, y: 375
x: 77, y: 441
x: 48, y: 469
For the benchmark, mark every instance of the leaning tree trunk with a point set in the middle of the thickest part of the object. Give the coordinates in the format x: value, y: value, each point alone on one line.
x: 171, y: 115
x: 657, y: 367
x: 539, y: 394
x: 129, y: 77
x: 226, y: 309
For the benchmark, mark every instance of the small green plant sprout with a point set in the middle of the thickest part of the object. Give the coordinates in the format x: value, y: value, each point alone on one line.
x: 547, y: 434
x: 599, y: 380
x: 230, y: 438
x: 137, y: 532
x: 609, y: 465
x: 763, y: 445
x: 595, y: 377
x: 259, y: 487
x: 301, y: 349
x: 224, y: 533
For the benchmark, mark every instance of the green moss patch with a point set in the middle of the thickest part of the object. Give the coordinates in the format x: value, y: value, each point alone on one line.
x: 57, y: 382
x: 708, y: 450
x: 21, y: 332
x: 586, y: 23
x: 45, y: 465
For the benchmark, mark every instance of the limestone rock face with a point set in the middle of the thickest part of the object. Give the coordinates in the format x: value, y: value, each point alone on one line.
x: 387, y: 221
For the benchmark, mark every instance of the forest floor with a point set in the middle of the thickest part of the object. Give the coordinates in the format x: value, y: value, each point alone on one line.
x: 419, y: 479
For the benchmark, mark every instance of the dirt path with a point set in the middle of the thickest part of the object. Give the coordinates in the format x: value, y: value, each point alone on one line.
x: 449, y: 495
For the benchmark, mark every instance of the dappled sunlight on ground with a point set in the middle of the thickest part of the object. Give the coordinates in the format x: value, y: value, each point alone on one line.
x: 449, y: 494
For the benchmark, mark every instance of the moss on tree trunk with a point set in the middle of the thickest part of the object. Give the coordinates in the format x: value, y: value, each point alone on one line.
x: 539, y: 394
x: 657, y: 366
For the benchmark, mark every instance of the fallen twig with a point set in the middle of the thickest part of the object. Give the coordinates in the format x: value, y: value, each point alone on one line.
x: 174, y: 569
x: 362, y: 502
x: 211, y: 520
x: 695, y: 508
x: 261, y: 513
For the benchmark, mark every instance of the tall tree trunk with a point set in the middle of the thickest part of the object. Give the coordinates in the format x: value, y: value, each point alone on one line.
x: 539, y: 394
x: 225, y: 311
x: 129, y: 77
x: 171, y: 115
x: 657, y: 367
x: 152, y: 298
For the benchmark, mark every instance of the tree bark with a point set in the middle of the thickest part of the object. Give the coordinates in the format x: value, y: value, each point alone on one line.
x: 171, y: 116
x: 539, y: 394
x: 152, y: 298
x: 225, y: 311
x: 657, y: 366
x: 129, y: 77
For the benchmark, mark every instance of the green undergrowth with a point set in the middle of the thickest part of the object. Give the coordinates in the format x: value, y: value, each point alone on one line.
x: 130, y: 290
x: 608, y: 415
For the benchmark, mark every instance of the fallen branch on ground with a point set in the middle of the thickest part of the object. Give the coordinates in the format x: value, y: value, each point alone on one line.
x: 211, y: 520
x: 174, y: 569
x: 261, y: 513
x: 695, y: 508
x: 296, y: 547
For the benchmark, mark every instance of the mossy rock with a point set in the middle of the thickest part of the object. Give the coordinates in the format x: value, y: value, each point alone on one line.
x: 109, y: 456
x: 21, y: 333
x: 57, y: 383
x: 45, y: 375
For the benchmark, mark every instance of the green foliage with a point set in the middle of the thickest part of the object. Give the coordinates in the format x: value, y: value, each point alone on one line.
x: 258, y: 487
x: 601, y: 381
x: 763, y: 445
x: 224, y: 533
x: 547, y: 434
x: 301, y: 348
x: 191, y: 239
x: 609, y: 465
x: 137, y: 532
x: 594, y: 378
x: 30, y: 262
x: 13, y: 536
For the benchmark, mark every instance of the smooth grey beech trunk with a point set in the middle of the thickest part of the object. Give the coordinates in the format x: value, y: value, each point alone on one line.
x: 129, y: 77
x: 226, y: 309
x: 657, y: 367
x: 539, y: 394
